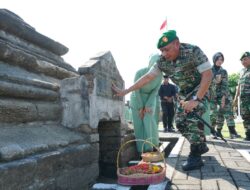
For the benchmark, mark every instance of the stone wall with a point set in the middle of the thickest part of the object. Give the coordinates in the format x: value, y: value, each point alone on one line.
x: 101, y: 114
x: 30, y: 72
x: 51, y: 116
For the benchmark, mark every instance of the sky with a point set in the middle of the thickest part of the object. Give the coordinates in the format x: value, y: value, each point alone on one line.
x: 130, y: 29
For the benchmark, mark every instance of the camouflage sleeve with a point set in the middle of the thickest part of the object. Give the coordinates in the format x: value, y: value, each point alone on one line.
x: 200, y: 60
x: 224, y: 84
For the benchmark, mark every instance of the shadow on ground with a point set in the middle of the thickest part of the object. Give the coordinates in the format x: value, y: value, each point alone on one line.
x: 224, y: 168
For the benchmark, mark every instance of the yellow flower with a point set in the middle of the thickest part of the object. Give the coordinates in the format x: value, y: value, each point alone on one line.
x: 156, y: 169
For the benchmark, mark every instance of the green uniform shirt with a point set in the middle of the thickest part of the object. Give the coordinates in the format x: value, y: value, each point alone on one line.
x: 220, y: 81
x: 245, y: 84
x: 186, y: 70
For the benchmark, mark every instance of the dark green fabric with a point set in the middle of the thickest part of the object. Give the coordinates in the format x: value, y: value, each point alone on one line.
x: 166, y: 38
x: 245, y: 97
x: 245, y: 54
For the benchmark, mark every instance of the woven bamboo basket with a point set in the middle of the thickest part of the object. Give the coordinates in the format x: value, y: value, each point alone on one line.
x: 140, y: 178
x: 152, y: 156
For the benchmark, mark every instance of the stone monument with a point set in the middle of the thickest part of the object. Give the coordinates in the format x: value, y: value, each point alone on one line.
x: 59, y: 128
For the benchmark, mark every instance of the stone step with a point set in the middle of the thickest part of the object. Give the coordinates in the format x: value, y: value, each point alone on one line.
x: 15, y: 25
x: 25, y: 110
x: 165, y: 185
x: 22, y: 140
x: 71, y: 167
x: 105, y: 186
x: 29, y: 81
x: 16, y: 57
x: 33, y: 49
x: 10, y: 89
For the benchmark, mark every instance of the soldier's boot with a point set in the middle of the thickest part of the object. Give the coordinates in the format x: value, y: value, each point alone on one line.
x: 194, y: 160
x: 218, y: 133
x: 233, y: 133
x: 214, y: 134
x: 247, y: 136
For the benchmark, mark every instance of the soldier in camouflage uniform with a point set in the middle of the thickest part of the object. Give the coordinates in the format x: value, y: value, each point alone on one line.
x: 221, y: 98
x: 244, y: 91
x: 189, y: 68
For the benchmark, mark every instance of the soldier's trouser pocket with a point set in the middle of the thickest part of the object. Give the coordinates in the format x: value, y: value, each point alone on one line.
x: 191, y: 127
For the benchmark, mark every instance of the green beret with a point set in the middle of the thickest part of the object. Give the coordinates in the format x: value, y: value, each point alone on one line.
x: 246, y: 54
x: 166, y: 38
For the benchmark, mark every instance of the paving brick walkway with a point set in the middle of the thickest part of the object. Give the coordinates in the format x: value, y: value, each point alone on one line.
x: 225, y: 168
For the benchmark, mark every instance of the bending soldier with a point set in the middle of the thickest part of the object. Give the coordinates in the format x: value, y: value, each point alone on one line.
x: 189, y: 68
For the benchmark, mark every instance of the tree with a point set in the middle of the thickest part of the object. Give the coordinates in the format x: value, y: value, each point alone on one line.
x: 233, y: 82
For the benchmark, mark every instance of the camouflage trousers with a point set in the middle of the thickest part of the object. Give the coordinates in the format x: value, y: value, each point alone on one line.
x: 213, y: 112
x: 245, y: 112
x: 189, y: 126
x: 219, y: 114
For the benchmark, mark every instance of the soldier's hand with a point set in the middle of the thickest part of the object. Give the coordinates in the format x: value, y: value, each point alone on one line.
x: 190, y: 105
x: 118, y: 92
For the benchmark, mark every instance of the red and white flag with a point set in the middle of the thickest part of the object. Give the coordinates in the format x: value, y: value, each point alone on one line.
x: 164, y: 25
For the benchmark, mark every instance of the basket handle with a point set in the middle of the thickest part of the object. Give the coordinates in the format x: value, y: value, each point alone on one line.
x: 148, y: 139
x: 130, y: 141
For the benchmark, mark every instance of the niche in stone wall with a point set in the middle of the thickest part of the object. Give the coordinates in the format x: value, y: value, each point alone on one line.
x: 109, y: 144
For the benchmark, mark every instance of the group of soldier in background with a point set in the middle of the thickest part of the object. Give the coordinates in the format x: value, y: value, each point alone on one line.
x: 221, y: 102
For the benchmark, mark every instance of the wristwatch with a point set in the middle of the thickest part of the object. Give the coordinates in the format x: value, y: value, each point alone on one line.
x: 195, y: 98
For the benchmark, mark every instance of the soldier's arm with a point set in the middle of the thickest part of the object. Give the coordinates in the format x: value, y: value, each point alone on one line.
x: 224, y: 84
x: 206, y: 78
x: 204, y: 67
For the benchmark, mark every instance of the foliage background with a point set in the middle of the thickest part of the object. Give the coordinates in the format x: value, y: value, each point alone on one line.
x: 233, y: 82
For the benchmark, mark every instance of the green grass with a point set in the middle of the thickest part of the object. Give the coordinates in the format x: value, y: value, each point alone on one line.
x: 239, y: 128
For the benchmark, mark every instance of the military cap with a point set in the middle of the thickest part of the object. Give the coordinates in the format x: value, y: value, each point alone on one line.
x: 166, y: 38
x: 245, y: 54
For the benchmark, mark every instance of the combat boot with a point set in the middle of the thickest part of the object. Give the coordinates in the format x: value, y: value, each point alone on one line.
x: 218, y: 133
x: 194, y: 160
x: 247, y: 136
x: 199, y: 149
x: 233, y: 133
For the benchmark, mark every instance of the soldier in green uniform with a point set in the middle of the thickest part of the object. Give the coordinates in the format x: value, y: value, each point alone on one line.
x: 189, y: 68
x: 244, y: 91
x: 221, y: 98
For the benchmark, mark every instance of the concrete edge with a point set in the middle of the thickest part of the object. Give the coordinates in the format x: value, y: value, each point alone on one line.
x: 245, y: 153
